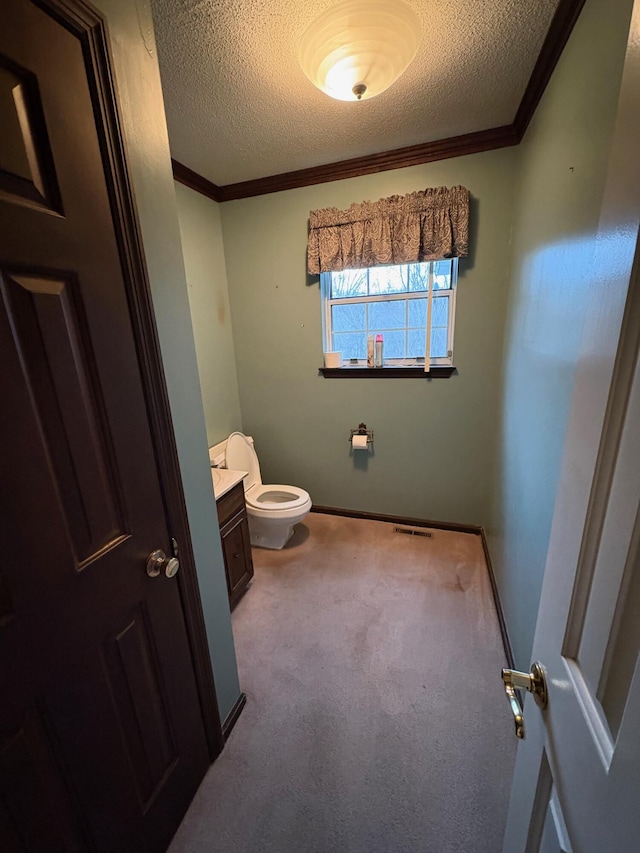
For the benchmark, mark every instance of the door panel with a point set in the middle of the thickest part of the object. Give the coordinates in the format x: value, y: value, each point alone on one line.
x: 50, y: 338
x: 100, y: 723
x: 27, y: 173
x: 34, y: 810
x: 135, y: 685
x: 624, y: 642
x: 554, y: 839
x: 602, y: 659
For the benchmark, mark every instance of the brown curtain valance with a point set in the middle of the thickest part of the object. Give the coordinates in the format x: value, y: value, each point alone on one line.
x: 421, y: 226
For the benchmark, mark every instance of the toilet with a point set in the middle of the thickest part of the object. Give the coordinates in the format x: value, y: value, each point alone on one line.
x: 273, y: 511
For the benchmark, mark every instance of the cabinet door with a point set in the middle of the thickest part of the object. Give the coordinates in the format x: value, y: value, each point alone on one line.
x: 236, y: 547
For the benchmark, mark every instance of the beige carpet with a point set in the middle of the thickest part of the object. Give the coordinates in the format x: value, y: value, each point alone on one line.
x: 375, y: 719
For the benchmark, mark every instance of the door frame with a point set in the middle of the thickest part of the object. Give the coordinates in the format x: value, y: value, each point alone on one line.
x: 90, y: 27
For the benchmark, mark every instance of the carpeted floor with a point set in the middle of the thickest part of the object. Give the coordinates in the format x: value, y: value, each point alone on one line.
x: 375, y: 718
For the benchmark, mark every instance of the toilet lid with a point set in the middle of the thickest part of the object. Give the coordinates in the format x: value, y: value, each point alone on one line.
x: 242, y: 457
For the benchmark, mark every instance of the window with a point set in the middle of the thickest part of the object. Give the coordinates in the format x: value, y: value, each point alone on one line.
x: 395, y: 301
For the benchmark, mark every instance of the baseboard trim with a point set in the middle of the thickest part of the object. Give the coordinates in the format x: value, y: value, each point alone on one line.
x: 233, y: 715
x: 398, y: 519
x: 506, y: 642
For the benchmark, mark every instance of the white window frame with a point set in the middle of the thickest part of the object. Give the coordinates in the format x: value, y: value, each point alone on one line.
x: 328, y: 302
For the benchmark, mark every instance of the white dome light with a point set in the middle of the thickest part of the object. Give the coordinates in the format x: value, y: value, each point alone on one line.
x: 357, y: 49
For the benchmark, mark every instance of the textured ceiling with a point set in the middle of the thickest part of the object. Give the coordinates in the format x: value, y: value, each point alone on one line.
x: 239, y: 106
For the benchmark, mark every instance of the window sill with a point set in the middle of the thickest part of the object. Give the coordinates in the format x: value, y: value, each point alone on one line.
x: 387, y: 372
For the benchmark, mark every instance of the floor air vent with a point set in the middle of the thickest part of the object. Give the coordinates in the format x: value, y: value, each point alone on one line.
x: 427, y: 533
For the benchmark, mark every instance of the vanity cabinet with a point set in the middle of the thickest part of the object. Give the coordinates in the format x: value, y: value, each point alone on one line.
x: 236, y: 544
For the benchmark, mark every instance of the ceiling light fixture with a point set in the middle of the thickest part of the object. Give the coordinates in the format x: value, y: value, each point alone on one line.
x: 357, y: 49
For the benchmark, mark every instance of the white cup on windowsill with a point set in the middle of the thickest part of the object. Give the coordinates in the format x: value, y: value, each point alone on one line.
x: 333, y: 359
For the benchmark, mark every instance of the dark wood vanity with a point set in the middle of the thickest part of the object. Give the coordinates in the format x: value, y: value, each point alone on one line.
x: 236, y: 545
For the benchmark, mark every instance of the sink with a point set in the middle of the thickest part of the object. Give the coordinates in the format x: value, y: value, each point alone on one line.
x: 225, y: 479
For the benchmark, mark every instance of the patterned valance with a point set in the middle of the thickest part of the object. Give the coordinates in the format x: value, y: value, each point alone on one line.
x: 421, y: 226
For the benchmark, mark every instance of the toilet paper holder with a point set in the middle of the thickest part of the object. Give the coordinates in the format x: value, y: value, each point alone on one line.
x: 362, y: 430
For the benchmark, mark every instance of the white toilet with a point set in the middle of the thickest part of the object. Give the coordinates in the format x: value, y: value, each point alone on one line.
x: 273, y: 510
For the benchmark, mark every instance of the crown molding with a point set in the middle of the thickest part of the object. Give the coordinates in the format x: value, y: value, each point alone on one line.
x: 560, y: 29
x: 426, y: 152
x: 184, y: 175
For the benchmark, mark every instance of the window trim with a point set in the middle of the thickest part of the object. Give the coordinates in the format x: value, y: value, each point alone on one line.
x: 410, y: 364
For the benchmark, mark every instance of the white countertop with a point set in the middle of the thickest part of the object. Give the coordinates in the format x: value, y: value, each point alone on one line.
x: 224, y: 479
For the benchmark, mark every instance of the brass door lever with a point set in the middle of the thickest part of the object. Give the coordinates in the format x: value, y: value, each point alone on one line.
x: 534, y: 682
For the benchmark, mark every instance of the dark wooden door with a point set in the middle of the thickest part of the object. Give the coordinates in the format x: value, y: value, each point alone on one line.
x: 102, y: 743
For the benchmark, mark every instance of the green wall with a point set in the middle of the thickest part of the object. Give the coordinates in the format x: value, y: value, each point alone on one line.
x: 144, y: 126
x: 203, y: 250
x: 434, y: 448
x: 561, y: 174
x: 483, y: 447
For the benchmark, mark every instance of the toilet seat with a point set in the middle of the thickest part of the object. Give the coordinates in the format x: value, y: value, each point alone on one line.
x: 275, y: 498
x: 266, y: 500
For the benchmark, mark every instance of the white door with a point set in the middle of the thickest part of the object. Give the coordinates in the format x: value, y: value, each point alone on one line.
x: 577, y: 780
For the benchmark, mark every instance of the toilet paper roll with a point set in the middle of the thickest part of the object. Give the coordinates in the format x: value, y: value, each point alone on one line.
x: 359, y: 442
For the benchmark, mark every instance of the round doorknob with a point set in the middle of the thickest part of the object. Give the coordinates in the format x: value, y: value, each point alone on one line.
x: 158, y: 560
